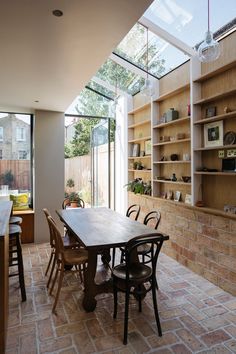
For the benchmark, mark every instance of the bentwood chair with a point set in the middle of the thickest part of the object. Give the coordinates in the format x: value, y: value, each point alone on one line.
x: 133, y: 277
x: 65, y: 257
x: 152, y: 219
x: 67, y: 243
x: 66, y: 203
x: 133, y: 212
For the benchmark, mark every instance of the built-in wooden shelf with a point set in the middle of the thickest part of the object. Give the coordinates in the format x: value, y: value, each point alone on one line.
x: 215, y: 173
x: 171, y: 162
x: 139, y: 123
x: 144, y: 170
x: 172, y: 93
x: 140, y: 139
x: 172, y: 142
x: 220, y: 70
x: 140, y: 108
x: 176, y: 121
x: 172, y: 182
x: 216, y: 118
x: 216, y: 97
x: 216, y: 147
x: 139, y: 157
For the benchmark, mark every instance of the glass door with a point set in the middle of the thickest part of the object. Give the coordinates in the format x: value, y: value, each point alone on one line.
x: 102, y: 158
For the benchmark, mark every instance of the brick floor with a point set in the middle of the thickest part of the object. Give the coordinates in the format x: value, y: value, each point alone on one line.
x: 196, y: 316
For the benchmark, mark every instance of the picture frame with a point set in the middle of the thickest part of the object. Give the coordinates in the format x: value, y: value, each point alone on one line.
x: 188, y: 199
x: 177, y: 196
x: 210, y: 112
x: 136, y: 150
x: 148, y: 147
x: 169, y: 195
x: 213, y: 134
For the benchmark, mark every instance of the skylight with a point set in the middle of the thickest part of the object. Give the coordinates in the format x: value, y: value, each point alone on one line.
x: 187, y: 19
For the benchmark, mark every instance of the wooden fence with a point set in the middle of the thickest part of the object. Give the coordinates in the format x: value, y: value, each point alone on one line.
x: 19, y: 169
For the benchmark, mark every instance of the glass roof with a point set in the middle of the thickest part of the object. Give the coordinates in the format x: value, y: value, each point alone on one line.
x: 116, y: 74
x: 187, y: 19
x: 162, y: 57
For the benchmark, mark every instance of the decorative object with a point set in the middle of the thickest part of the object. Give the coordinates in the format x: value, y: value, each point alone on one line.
x: 174, y: 157
x: 163, y: 118
x: 188, y: 199
x: 229, y: 138
x: 177, y: 196
x: 148, y: 147
x: 138, y: 165
x: 229, y: 164
x: 209, y: 49
x: 20, y: 201
x: 173, y: 178
x: 213, y: 134
x: 163, y: 195
x: 186, y: 179
x: 170, y: 194
x: 226, y: 109
x: 171, y: 114
x: 210, y: 112
x: 186, y: 157
x: 163, y: 158
x: 136, y: 150
x: 142, y: 153
x: 164, y: 138
x: 230, y: 209
x: 147, y: 89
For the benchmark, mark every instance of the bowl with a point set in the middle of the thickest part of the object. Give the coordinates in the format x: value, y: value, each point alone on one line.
x: 186, y: 179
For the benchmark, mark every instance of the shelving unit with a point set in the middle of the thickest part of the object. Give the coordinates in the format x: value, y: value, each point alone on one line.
x: 214, y: 89
x: 139, y: 131
x: 179, y: 99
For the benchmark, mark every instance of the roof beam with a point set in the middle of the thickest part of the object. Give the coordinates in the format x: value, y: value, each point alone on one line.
x: 109, y: 86
x: 160, y: 32
x: 117, y: 59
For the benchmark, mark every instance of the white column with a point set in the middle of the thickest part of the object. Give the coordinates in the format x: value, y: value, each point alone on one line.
x: 49, y: 169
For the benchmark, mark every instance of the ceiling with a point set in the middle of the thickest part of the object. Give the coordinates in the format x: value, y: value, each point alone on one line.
x: 50, y: 59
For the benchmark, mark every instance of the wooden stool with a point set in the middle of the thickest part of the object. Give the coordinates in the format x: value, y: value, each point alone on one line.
x: 15, y: 256
x: 15, y: 220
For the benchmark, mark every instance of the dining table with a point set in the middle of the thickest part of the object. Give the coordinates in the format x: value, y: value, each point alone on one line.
x: 99, y: 230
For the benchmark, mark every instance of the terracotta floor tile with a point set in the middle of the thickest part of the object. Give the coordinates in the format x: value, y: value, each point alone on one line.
x: 215, y: 337
x: 196, y: 316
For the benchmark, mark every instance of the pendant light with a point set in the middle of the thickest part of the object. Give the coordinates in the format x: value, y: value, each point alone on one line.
x: 209, y: 50
x: 147, y: 89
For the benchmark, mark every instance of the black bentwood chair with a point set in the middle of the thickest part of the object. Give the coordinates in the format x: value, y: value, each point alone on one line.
x: 133, y: 211
x: 138, y: 278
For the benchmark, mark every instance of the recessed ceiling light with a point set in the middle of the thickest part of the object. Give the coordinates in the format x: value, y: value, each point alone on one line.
x: 57, y: 13
x: 36, y: 101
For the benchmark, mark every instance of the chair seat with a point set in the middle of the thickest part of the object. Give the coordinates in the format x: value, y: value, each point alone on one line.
x: 75, y: 256
x: 138, y: 272
x: 14, y: 229
x: 15, y: 220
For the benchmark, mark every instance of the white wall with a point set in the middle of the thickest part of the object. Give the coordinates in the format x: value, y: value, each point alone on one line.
x: 49, y: 169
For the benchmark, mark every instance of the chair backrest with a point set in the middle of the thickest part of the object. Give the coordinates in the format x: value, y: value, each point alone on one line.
x: 66, y: 203
x: 56, y: 234
x: 153, y: 217
x: 47, y: 214
x: 155, y: 241
x: 133, y: 211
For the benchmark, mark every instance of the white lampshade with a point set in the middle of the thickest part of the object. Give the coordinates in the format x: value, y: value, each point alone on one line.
x: 147, y: 89
x: 209, y: 50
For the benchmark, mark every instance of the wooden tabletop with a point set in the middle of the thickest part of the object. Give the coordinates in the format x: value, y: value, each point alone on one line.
x: 101, y: 227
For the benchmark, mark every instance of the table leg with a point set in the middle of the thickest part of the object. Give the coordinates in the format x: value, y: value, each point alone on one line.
x: 89, y: 301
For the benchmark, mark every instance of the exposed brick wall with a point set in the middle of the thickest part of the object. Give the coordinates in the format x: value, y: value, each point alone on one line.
x: 203, y: 242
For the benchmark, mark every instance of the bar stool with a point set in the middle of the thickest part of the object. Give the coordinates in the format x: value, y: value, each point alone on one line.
x: 15, y: 220
x: 15, y: 256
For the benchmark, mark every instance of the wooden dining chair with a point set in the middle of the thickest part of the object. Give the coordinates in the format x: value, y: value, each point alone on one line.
x: 65, y: 257
x: 68, y: 242
x: 152, y: 219
x: 133, y: 212
x: 66, y: 203
x: 133, y: 277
